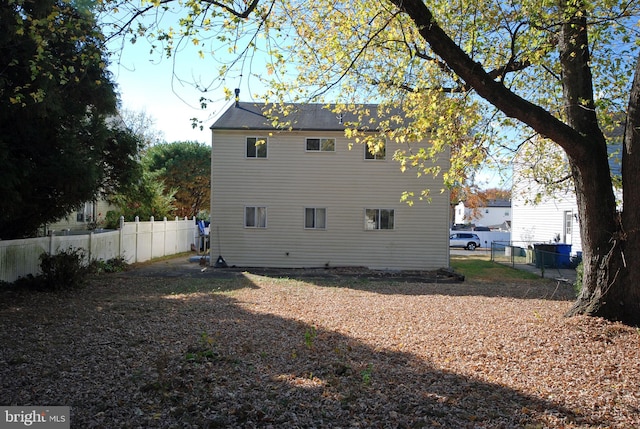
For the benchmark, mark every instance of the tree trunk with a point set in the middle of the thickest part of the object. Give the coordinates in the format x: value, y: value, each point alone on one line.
x: 612, y: 282
x: 606, y: 289
x: 611, y: 249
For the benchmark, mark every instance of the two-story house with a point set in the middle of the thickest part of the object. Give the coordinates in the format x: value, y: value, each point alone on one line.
x: 307, y: 196
x: 495, y: 214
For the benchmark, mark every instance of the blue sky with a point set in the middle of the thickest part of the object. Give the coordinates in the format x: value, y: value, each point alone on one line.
x: 146, y: 83
x: 163, y: 89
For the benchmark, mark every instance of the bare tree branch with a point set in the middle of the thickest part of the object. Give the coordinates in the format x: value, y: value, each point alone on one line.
x: 240, y: 14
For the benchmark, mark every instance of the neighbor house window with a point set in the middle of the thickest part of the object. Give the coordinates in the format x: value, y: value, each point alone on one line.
x: 375, y: 149
x: 321, y: 145
x: 315, y: 218
x: 568, y: 226
x: 255, y: 217
x: 84, y: 213
x: 379, y: 219
x: 256, y: 147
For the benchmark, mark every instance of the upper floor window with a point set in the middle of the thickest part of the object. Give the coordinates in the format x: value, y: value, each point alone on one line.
x: 315, y: 218
x: 379, y: 219
x: 256, y: 147
x: 375, y: 149
x: 255, y: 217
x: 321, y: 145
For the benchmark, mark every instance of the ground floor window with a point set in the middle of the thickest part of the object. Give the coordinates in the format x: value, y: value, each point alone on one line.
x: 315, y: 218
x: 379, y: 219
x: 255, y: 217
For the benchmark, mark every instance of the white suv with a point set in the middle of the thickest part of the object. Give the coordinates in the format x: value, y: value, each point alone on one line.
x: 466, y: 240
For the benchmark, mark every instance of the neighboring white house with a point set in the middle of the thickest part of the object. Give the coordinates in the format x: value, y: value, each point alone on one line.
x: 309, y: 197
x: 553, y: 219
x: 496, y: 214
x: 539, y: 217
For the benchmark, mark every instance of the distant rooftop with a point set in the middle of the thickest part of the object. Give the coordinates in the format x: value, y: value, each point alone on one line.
x: 499, y: 203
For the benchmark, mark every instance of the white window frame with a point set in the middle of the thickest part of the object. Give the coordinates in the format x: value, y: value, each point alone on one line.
x: 315, y: 218
x: 257, y: 139
x: 320, y: 144
x: 568, y: 226
x: 256, y: 218
x: 84, y: 213
x: 376, y: 224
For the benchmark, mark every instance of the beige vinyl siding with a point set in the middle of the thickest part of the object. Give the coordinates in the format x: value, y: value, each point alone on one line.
x: 71, y: 223
x: 291, y: 179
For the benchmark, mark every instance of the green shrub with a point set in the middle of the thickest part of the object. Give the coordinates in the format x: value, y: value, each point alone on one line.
x: 113, y: 265
x: 112, y: 219
x: 64, y: 270
x: 579, y: 276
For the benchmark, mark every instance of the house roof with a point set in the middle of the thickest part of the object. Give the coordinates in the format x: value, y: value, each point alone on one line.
x: 499, y: 203
x: 302, y: 117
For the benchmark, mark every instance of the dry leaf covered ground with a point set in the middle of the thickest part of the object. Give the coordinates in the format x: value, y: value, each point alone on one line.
x: 147, y: 350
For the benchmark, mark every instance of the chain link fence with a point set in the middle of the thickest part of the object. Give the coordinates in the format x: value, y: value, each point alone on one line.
x: 551, y: 260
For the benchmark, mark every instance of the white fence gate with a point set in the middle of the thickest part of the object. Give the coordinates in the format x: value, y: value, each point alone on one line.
x: 134, y: 241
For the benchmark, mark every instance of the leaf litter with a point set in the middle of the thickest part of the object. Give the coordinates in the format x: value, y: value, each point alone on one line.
x: 272, y: 352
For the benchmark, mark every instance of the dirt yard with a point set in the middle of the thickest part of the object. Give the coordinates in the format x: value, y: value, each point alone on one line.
x: 160, y: 347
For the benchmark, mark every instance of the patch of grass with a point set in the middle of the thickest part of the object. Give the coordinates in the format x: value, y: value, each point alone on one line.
x: 482, y: 268
x: 309, y: 336
x: 203, y: 351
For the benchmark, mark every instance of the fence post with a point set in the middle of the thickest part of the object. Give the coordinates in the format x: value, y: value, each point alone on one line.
x: 177, y: 236
x: 137, y: 220
x: 164, y: 236
x: 153, y: 232
x: 513, y: 254
x: 121, y: 243
x: 89, y: 251
x: 51, y: 234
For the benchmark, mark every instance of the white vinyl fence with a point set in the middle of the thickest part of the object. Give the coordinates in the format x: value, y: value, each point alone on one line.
x: 134, y: 241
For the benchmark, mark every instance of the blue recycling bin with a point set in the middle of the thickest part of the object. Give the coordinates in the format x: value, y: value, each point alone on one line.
x: 563, y: 255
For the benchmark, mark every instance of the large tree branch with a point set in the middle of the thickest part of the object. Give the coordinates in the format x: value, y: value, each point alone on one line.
x: 484, y: 84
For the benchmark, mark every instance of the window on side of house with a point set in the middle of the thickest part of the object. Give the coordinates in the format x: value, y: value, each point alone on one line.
x: 379, y: 219
x: 375, y: 149
x: 568, y: 226
x: 84, y: 213
x: 321, y: 145
x: 256, y: 147
x: 315, y: 218
x: 255, y: 217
